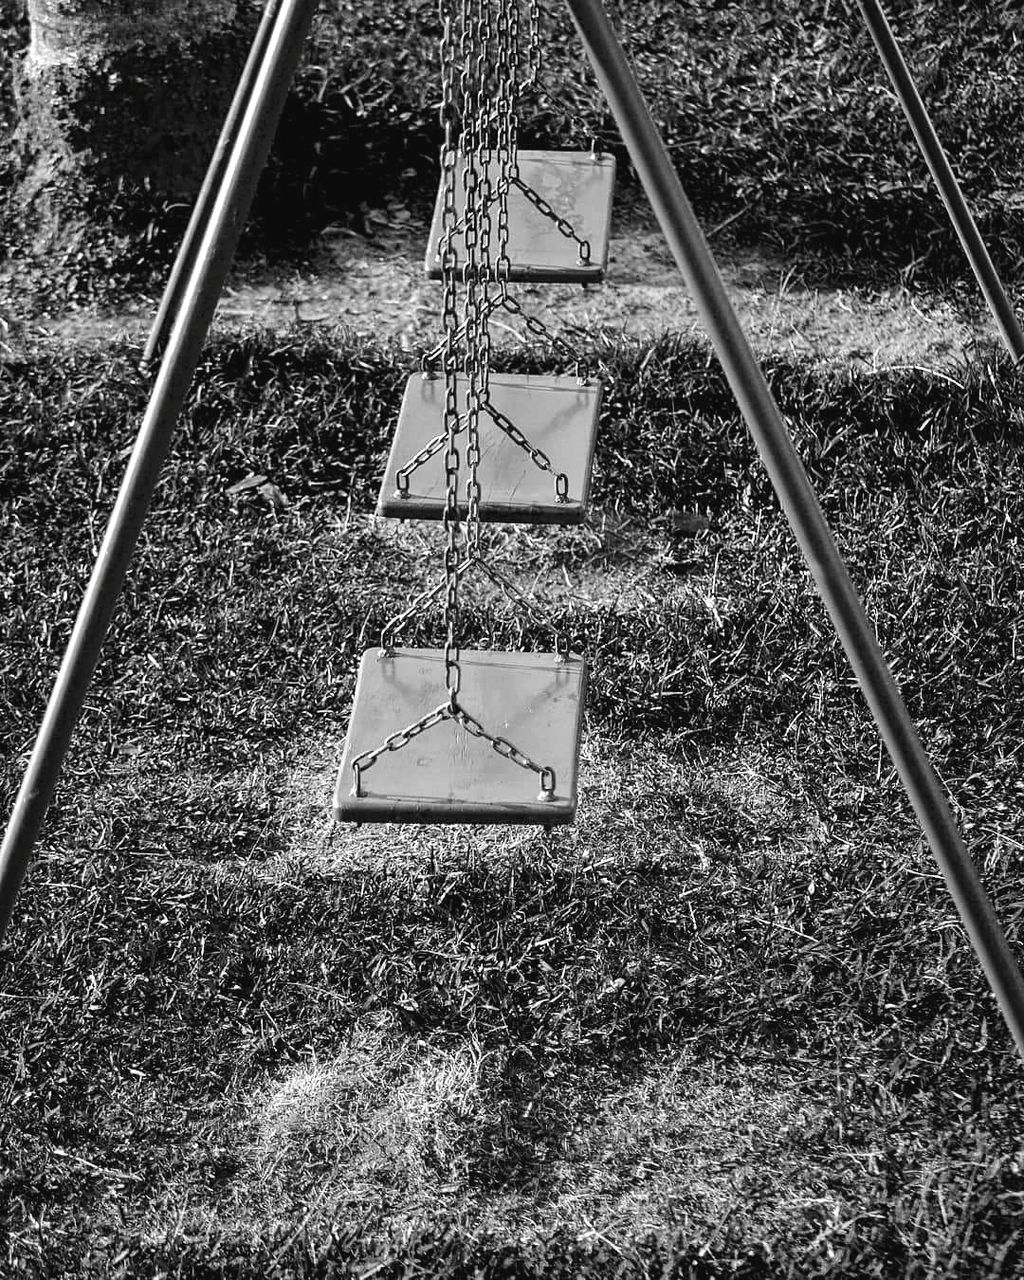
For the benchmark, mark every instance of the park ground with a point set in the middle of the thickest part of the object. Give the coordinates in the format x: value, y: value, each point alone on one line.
x: 726, y: 1024
x: 371, y: 282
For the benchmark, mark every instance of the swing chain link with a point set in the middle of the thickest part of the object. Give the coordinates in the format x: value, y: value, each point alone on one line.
x: 508, y: 132
x: 514, y: 593
x: 509, y: 751
x: 534, y: 52
x: 429, y: 450
x: 548, y: 210
x: 396, y: 742
x: 540, y: 330
x: 516, y: 596
x: 467, y: 115
x: 537, y: 327
x: 533, y: 80
x: 479, y: 197
x: 504, y: 748
x: 504, y: 424
x: 450, y: 317
x: 539, y: 458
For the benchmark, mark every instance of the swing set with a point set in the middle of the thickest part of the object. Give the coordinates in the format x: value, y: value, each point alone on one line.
x: 453, y: 735
x: 478, y: 736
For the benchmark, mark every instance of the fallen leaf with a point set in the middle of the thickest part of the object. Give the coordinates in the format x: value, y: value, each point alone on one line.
x: 250, y: 482
x: 273, y: 495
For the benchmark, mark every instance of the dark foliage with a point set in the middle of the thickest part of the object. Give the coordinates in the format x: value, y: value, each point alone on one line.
x: 779, y: 119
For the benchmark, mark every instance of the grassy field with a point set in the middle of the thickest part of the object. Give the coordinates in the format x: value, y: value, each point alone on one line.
x: 727, y: 1024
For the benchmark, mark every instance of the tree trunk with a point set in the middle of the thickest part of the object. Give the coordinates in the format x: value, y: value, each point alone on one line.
x: 120, y: 103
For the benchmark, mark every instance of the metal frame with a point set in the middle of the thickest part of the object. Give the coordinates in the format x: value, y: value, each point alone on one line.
x: 949, y: 189
x: 789, y: 479
x: 199, y: 295
x: 683, y: 234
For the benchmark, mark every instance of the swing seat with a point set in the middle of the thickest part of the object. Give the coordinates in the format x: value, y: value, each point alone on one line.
x: 445, y: 774
x: 558, y: 415
x: 578, y: 186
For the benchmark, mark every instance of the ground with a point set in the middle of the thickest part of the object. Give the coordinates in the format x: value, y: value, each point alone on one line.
x: 701, y: 859
x: 374, y: 284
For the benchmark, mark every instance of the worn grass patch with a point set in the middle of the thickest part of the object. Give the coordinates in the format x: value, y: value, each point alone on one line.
x: 732, y: 1005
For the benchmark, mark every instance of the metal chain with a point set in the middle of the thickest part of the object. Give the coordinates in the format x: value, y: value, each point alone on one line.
x: 511, y: 177
x: 388, y: 632
x: 429, y: 450
x: 508, y: 131
x: 508, y: 750
x: 514, y: 307
x: 534, y: 63
x: 451, y: 116
x: 534, y: 51
x: 539, y: 458
x: 519, y: 597
x: 449, y: 123
x: 505, y: 424
x: 540, y: 330
x: 477, y: 109
x: 478, y: 189
x: 434, y: 354
x: 474, y: 560
x: 549, y: 212
x: 396, y: 742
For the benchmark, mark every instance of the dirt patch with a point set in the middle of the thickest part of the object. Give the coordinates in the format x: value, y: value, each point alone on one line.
x: 374, y: 284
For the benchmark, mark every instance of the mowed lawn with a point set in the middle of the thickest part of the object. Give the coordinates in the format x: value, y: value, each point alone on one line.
x: 726, y: 1024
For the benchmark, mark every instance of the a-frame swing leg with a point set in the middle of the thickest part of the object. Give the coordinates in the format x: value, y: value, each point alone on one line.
x: 203, y: 207
x: 789, y: 479
x: 192, y: 320
x: 945, y: 179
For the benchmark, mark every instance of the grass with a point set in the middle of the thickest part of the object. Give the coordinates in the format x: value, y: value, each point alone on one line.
x: 727, y: 1024
x: 780, y: 121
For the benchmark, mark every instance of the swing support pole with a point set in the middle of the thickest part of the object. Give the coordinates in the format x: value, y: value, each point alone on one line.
x: 199, y: 295
x: 185, y: 260
x: 941, y: 171
x: 778, y: 452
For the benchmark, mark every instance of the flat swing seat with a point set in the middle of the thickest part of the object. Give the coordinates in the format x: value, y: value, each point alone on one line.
x: 558, y: 415
x: 576, y: 185
x: 445, y: 774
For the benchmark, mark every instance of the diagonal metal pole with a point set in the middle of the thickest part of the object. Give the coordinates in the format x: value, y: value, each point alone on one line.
x: 798, y: 500
x: 200, y: 217
x: 949, y: 189
x: 199, y: 300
